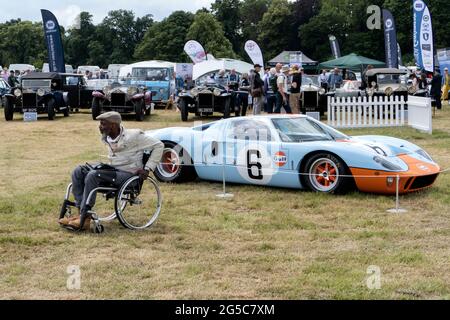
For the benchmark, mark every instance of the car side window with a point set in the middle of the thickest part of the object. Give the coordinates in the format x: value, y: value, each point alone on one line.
x: 251, y: 130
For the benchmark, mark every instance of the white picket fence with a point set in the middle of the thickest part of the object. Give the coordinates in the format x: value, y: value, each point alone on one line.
x: 358, y: 112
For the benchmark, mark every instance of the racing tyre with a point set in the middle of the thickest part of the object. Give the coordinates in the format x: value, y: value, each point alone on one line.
x: 51, y: 109
x: 176, y: 165
x: 183, y: 110
x: 8, y: 109
x: 96, y: 109
x: 326, y: 173
x: 139, y: 109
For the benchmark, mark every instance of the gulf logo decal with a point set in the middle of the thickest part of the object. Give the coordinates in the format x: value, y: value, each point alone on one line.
x: 280, y: 159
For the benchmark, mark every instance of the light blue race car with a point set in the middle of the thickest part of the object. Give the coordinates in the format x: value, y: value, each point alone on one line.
x: 292, y: 151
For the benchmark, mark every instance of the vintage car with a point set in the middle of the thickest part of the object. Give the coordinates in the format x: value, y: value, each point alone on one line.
x: 292, y: 151
x: 46, y: 93
x: 386, y: 82
x: 204, y: 100
x: 123, y: 99
x: 312, y: 95
x: 350, y: 88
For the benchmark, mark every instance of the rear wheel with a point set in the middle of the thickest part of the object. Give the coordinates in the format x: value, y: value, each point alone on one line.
x: 8, y: 109
x: 96, y: 108
x: 139, y: 109
x: 326, y: 173
x: 183, y: 110
x: 176, y: 165
x: 51, y: 109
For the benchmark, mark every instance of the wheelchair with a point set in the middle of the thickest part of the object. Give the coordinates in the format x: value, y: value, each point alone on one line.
x: 137, y: 204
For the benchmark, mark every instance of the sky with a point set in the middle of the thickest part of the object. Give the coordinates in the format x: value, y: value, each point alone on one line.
x: 67, y: 10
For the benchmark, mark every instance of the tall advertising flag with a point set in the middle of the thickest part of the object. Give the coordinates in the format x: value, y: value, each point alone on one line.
x: 423, y: 36
x: 334, y: 46
x: 390, y: 40
x: 54, y: 42
x: 195, y: 51
x: 254, y: 52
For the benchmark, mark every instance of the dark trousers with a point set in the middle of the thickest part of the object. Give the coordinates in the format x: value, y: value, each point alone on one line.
x: 242, y: 103
x: 437, y: 97
x: 85, y: 180
x: 271, y: 101
x: 280, y: 103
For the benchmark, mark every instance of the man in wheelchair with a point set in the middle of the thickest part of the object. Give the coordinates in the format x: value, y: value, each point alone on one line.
x: 126, y: 149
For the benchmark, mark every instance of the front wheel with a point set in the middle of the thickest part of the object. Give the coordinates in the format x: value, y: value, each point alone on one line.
x: 51, y: 109
x: 226, y: 109
x: 326, y: 173
x: 8, y: 109
x: 183, y: 110
x: 176, y: 165
x: 139, y: 109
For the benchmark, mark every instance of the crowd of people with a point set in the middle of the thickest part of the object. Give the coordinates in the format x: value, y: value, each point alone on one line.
x: 13, y: 77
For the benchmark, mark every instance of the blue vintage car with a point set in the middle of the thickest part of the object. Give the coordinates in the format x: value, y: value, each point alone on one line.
x: 157, y: 77
x: 292, y: 151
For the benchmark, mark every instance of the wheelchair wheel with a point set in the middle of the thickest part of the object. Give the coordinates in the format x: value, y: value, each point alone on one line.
x: 138, y: 203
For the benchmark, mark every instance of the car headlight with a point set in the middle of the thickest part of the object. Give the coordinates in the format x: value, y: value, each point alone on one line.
x: 387, y: 164
x: 217, y: 92
x: 373, y: 84
x: 131, y: 91
x: 40, y: 92
x: 17, y: 92
x: 424, y: 154
x: 322, y: 91
x: 194, y: 91
x: 388, y: 91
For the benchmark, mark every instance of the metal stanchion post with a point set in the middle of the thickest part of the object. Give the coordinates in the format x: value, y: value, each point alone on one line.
x: 397, y: 198
x: 224, y: 194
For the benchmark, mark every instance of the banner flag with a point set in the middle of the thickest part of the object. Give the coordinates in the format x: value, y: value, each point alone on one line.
x: 334, y: 46
x: 254, y: 52
x: 423, y: 36
x: 54, y: 42
x: 390, y: 40
x: 195, y: 51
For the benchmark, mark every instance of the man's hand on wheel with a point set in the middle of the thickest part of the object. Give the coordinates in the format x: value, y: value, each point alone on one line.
x: 143, y: 174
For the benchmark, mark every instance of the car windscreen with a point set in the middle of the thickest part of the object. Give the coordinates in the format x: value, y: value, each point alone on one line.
x: 304, y: 130
x: 36, y: 83
x: 388, y: 78
x: 150, y: 74
x: 307, y: 80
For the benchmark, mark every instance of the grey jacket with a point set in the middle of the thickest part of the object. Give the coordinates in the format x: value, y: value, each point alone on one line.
x: 128, y: 152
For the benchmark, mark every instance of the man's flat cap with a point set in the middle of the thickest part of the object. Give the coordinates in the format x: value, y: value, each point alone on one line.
x: 112, y: 116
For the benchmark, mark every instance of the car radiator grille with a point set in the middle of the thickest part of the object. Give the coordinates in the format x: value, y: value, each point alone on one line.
x: 117, y: 99
x: 29, y: 100
x: 310, y: 99
x: 205, y: 100
x: 423, y: 181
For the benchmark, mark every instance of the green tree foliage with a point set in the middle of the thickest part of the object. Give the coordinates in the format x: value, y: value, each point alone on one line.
x: 277, y: 29
x: 227, y: 13
x: 251, y: 13
x: 78, y: 40
x: 22, y: 42
x: 209, y: 32
x: 165, y: 40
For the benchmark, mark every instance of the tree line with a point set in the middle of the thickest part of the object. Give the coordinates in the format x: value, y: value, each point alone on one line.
x: 276, y: 25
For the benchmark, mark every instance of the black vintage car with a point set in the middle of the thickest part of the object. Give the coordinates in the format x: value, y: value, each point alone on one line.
x: 204, y: 100
x: 46, y: 93
x: 122, y: 98
x: 312, y: 95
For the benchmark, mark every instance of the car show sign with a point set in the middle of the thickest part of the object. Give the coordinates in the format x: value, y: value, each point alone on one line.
x: 195, y: 51
x: 423, y: 36
x: 334, y: 46
x: 296, y: 59
x: 390, y: 40
x: 254, y: 52
x: 54, y: 42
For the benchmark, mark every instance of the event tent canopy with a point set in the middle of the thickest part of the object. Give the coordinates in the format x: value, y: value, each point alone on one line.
x: 214, y: 65
x: 285, y: 58
x: 352, y: 62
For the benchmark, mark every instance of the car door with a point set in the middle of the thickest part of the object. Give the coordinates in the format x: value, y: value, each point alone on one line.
x: 72, y: 88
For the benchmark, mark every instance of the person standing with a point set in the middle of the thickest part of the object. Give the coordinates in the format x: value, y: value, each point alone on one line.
x: 257, y: 90
x: 283, y: 91
x: 12, y: 80
x: 296, y: 83
x: 335, y: 80
x: 445, y: 84
x: 436, y: 85
x: 323, y: 78
x: 242, y: 96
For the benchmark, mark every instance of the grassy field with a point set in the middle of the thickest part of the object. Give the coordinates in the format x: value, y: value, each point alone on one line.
x: 265, y: 243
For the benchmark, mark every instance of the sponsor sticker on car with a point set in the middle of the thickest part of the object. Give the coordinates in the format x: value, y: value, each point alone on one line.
x: 280, y: 159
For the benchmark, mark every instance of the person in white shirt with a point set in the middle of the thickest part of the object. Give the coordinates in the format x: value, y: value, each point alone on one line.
x: 283, y: 91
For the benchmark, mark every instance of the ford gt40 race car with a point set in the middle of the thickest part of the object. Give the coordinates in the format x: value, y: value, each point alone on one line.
x: 292, y: 151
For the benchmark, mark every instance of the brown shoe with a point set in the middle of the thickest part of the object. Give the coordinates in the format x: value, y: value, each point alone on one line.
x: 75, y: 224
x: 65, y: 221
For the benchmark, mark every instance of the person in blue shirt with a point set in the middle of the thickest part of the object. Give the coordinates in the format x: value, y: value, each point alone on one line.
x: 335, y: 80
